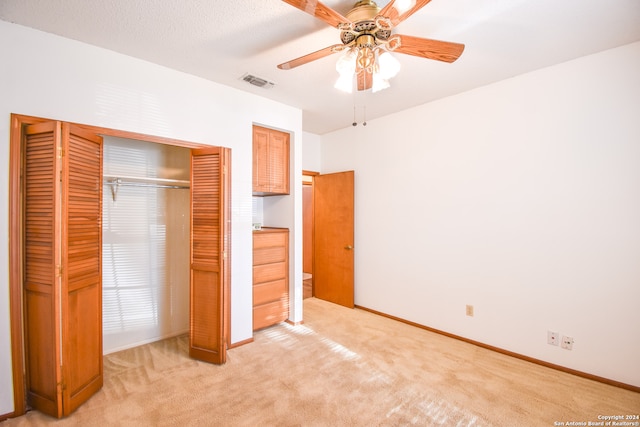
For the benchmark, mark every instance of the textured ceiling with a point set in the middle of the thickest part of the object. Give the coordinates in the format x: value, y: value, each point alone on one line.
x: 221, y: 40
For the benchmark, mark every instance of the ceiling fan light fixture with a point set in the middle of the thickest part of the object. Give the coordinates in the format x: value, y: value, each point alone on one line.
x: 346, y: 67
x: 403, y: 6
x: 388, y: 66
x: 379, y: 83
x: 344, y: 83
x: 382, y: 66
x: 346, y: 64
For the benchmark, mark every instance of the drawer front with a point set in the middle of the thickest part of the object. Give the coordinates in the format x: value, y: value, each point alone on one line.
x: 269, y: 314
x: 270, y: 291
x: 270, y: 239
x: 269, y: 272
x: 269, y: 255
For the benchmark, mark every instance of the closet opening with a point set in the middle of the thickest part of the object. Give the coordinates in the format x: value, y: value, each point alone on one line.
x: 145, y: 242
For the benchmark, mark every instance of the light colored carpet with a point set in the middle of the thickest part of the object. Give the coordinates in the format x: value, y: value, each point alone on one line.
x: 341, y: 368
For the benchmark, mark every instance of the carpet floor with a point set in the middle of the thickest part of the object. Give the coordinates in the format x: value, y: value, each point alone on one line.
x: 341, y: 368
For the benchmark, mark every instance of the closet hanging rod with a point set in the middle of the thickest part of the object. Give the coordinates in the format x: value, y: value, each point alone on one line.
x: 122, y: 180
x: 144, y: 184
x: 117, y: 182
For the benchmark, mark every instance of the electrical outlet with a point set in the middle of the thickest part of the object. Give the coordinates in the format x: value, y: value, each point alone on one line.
x: 567, y: 343
x: 469, y: 310
x: 553, y: 338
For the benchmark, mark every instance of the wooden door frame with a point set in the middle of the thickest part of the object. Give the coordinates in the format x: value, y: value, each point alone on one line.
x: 311, y: 174
x: 16, y: 141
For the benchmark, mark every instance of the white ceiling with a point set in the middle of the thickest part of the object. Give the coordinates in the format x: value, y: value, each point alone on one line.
x: 220, y: 40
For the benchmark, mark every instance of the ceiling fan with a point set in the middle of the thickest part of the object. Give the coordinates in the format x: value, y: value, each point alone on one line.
x: 367, y: 39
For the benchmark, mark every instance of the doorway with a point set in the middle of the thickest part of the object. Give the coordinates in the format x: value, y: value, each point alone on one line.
x: 59, y: 227
x: 330, y: 214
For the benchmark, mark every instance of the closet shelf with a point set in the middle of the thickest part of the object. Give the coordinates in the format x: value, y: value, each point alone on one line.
x: 116, y: 182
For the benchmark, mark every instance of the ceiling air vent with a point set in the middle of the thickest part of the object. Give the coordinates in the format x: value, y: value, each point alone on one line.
x: 257, y: 81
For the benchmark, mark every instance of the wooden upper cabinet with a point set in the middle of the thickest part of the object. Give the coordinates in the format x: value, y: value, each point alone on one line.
x: 270, y: 162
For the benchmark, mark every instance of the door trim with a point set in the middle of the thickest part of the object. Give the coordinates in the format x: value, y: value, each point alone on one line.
x: 18, y: 122
x: 307, y: 181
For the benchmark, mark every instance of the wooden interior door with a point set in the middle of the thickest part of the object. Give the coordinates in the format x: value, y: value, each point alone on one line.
x: 62, y: 279
x: 209, y: 296
x: 333, y: 276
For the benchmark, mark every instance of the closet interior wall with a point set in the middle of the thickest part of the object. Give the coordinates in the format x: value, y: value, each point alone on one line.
x: 145, y: 251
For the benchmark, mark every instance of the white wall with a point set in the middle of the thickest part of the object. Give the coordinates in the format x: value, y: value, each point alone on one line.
x: 311, y: 152
x: 48, y: 76
x: 521, y: 198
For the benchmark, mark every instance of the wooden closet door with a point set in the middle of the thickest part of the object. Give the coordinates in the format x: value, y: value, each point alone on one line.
x: 208, y: 314
x: 62, y: 270
x: 42, y: 261
x: 62, y: 266
x: 82, y: 266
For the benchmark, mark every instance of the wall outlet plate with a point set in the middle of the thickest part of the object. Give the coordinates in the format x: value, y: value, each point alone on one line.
x: 553, y: 338
x: 567, y: 343
x: 469, y: 310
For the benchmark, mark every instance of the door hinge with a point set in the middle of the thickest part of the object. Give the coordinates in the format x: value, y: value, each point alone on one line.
x: 224, y: 254
x: 60, y: 269
x: 60, y: 152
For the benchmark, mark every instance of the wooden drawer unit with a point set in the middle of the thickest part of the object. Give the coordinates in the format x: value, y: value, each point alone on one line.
x: 270, y: 277
x: 270, y: 291
x: 269, y: 272
x: 263, y: 256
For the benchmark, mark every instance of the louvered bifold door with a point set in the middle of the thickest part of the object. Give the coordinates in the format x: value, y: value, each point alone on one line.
x: 62, y: 266
x: 42, y: 263
x: 209, y: 254
x: 82, y: 266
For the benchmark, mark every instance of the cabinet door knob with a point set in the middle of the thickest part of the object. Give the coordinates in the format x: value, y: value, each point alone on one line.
x: 348, y: 247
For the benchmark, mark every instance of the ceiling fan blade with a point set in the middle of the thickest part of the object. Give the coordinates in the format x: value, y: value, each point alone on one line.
x: 401, y: 11
x: 427, y: 48
x: 311, y: 57
x: 364, y: 78
x: 320, y: 11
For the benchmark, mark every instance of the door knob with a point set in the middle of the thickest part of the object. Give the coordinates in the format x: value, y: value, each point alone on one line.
x: 348, y: 247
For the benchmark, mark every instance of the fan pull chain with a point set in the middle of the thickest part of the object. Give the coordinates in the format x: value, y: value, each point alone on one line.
x: 364, y: 113
x: 354, y: 115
